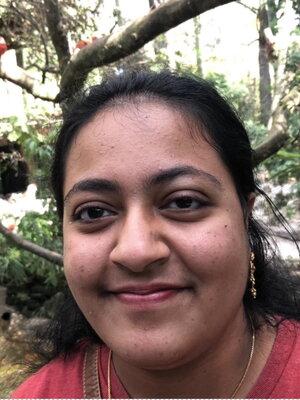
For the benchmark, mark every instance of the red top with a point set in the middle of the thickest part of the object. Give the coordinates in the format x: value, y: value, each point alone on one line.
x: 62, y: 378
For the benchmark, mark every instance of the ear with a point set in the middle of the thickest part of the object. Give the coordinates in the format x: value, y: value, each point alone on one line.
x: 249, y: 208
x: 250, y: 203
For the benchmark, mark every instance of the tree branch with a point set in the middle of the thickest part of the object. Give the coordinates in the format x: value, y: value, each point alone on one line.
x: 281, y: 233
x: 269, y: 147
x: 50, y: 69
x: 22, y: 78
x: 129, y: 39
x: 49, y: 255
x: 252, y: 9
x: 57, y: 33
x: 42, y: 36
x: 278, y: 133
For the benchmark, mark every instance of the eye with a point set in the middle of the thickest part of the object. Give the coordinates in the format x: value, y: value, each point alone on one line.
x: 186, y: 203
x: 92, y: 213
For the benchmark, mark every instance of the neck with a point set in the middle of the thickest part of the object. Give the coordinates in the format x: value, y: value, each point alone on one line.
x: 213, y: 374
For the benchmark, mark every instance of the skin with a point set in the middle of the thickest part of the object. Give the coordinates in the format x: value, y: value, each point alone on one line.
x: 156, y: 252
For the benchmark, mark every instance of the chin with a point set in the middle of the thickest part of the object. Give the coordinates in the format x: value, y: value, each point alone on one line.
x: 154, y: 360
x: 153, y: 354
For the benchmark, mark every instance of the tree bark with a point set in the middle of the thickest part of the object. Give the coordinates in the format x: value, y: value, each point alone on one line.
x: 129, y: 39
x: 22, y: 78
x: 58, y: 35
x: 49, y: 255
x: 281, y: 233
x: 197, y: 30
x: 278, y: 135
x: 269, y: 147
x: 264, y: 70
x: 282, y: 79
x: 113, y: 47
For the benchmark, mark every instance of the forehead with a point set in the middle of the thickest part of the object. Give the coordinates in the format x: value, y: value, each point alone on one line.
x: 128, y: 141
x: 135, y: 124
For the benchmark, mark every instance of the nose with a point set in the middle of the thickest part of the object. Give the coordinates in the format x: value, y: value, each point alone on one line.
x: 139, y: 243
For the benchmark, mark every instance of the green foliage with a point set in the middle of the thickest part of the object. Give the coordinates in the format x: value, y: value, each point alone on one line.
x: 256, y: 131
x: 36, y: 138
x: 42, y: 229
x: 283, y: 166
x: 292, y: 67
x: 273, y: 7
x: 32, y: 280
x: 244, y: 99
x: 293, y: 60
x: 241, y: 96
x: 33, y: 283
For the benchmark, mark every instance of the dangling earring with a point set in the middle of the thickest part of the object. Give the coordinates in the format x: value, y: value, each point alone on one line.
x: 252, y: 277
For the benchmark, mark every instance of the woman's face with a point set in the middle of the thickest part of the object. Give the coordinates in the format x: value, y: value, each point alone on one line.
x: 155, y: 245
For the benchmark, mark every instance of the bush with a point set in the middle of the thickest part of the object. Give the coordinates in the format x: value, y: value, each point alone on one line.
x: 33, y: 283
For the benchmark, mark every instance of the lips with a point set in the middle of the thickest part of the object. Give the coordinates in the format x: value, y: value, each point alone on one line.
x: 143, y: 296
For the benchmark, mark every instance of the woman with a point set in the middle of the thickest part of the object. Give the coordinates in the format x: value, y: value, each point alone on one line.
x: 153, y: 181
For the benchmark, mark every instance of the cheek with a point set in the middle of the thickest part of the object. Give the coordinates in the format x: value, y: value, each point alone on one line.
x: 83, y: 261
x: 217, y: 251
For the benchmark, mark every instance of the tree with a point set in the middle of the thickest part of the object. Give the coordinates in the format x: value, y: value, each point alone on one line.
x: 104, y: 50
x: 279, y: 95
x: 51, y: 70
x: 266, y: 55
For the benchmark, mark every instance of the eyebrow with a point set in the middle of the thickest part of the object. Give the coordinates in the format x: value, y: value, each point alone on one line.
x: 182, y: 170
x: 93, y: 185
x: 167, y: 175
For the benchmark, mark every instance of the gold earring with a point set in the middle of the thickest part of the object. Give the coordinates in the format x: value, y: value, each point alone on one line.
x: 252, y: 277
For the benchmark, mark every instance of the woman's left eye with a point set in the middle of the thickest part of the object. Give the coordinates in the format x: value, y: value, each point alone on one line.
x: 185, y: 202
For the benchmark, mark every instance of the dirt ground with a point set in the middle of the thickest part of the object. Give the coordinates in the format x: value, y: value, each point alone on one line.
x: 14, y: 358
x: 16, y: 355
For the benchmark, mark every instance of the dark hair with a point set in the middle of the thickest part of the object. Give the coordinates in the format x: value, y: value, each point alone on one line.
x: 214, y: 118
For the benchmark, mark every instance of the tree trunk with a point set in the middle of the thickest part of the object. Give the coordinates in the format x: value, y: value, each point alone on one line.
x: 57, y: 33
x: 264, y: 69
x: 197, y: 29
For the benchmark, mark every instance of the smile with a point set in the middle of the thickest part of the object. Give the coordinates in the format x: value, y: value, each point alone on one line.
x: 141, y: 297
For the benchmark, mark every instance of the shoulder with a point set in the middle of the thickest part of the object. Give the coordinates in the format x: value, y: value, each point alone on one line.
x: 60, y: 378
x: 281, y: 375
x: 288, y: 337
x: 287, y: 347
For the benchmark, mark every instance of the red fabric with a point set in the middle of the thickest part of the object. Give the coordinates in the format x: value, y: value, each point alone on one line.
x: 280, y: 377
x: 62, y: 378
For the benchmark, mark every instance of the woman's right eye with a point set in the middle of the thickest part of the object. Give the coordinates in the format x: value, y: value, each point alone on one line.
x: 92, y: 213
